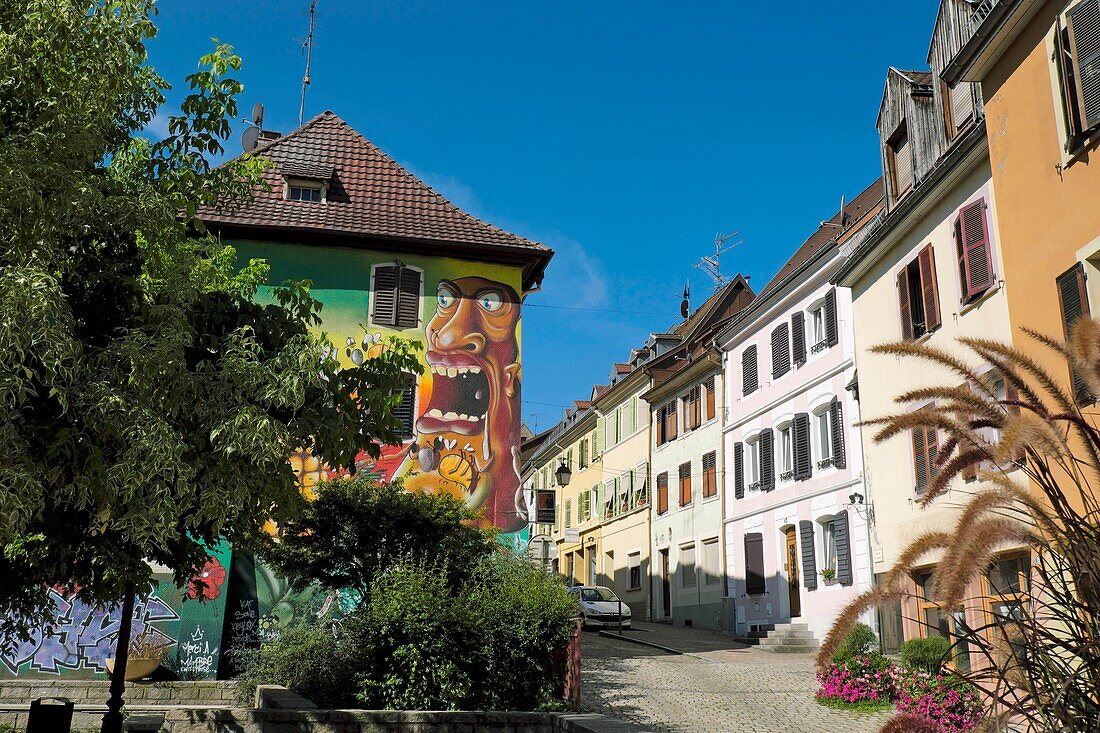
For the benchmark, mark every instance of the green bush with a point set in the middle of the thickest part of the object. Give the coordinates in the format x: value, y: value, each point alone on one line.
x: 418, y: 642
x: 925, y: 655
x: 859, y: 641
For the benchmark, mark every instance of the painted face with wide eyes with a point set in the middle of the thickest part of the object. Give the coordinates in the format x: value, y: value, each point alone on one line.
x: 445, y: 297
x: 490, y: 300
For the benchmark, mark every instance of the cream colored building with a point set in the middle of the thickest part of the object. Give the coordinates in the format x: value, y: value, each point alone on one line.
x: 624, y: 486
x: 910, y: 281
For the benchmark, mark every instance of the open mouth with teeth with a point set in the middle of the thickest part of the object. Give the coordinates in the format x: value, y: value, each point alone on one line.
x: 460, y: 397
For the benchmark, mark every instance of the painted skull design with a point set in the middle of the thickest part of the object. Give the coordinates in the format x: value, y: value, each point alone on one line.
x: 467, y: 430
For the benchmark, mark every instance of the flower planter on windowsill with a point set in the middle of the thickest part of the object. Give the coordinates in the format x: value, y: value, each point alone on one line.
x: 830, y: 581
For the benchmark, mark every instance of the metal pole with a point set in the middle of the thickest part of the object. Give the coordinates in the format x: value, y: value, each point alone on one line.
x: 620, y: 616
x: 112, y: 720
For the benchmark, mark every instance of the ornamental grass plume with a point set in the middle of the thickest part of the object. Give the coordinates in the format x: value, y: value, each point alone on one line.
x: 1035, y: 656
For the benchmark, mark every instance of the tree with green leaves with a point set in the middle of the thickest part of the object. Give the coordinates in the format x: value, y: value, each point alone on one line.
x: 148, y: 403
x: 355, y: 530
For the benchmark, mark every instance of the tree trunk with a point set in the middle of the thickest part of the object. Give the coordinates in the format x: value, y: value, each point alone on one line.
x: 112, y: 721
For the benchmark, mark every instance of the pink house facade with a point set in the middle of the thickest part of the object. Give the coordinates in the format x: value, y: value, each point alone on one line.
x: 795, y: 512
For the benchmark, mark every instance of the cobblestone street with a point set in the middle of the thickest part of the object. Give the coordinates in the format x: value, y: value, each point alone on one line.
x: 720, y: 686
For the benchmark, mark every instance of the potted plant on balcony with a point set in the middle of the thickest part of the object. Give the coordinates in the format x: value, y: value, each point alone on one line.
x: 147, y: 650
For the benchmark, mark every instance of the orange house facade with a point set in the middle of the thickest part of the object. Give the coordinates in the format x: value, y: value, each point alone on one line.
x: 1038, y: 65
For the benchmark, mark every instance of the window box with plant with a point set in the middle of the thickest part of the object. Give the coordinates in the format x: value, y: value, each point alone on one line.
x: 828, y: 575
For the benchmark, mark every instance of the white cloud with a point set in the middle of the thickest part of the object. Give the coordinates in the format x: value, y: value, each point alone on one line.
x: 157, y: 129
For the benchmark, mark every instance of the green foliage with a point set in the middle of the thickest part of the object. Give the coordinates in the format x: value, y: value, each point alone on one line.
x: 147, y: 404
x: 925, y: 655
x: 306, y: 659
x: 859, y: 641
x: 859, y: 706
x: 357, y: 529
x: 418, y: 642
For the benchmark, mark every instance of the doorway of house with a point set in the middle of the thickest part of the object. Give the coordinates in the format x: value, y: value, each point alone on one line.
x: 792, y: 573
x: 592, y: 566
x: 666, y: 587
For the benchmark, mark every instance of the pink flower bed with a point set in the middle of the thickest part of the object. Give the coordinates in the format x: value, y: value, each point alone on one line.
x: 950, y: 703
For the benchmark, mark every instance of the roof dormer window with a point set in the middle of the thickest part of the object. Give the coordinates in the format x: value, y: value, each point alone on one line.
x: 302, y: 189
x: 899, y: 158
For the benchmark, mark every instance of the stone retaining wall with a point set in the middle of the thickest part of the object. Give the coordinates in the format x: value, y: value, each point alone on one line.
x: 96, y: 692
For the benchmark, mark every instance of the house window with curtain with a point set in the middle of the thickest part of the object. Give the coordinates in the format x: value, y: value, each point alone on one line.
x: 752, y: 463
x: 828, y: 544
x: 786, y: 452
x: 938, y: 621
x: 823, y: 430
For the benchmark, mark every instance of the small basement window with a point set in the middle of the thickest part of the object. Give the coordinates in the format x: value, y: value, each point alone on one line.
x: 305, y: 190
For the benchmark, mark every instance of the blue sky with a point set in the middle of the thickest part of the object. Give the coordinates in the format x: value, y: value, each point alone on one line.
x: 624, y: 135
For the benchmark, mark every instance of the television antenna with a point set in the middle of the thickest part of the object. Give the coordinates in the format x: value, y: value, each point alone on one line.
x: 711, y: 264
x: 307, y: 46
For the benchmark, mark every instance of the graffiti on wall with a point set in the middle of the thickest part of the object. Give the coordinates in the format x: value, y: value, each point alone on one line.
x: 82, y: 637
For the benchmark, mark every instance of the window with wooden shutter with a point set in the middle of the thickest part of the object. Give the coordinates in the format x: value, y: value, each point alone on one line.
x: 809, y: 557
x: 710, y: 475
x: 710, y: 398
x: 396, y: 295
x: 958, y: 106
x: 738, y: 471
x: 405, y: 411
x: 904, y: 305
x: 1074, y: 301
x: 685, y: 484
x: 662, y: 492
x: 973, y: 250
x: 693, y: 408
x: 801, y: 435
x: 659, y: 419
x: 1083, y: 33
x: 899, y: 157
x: 831, y: 332
x: 767, y: 460
x: 836, y: 433
x: 755, y: 583
x: 798, y: 338
x: 670, y: 419
x: 929, y: 288
x: 749, y: 379
x: 688, y: 574
x: 925, y: 443
x: 781, y: 355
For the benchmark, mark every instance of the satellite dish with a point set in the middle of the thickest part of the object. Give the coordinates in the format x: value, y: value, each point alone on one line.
x: 685, y: 304
x: 258, y: 115
x: 250, y: 139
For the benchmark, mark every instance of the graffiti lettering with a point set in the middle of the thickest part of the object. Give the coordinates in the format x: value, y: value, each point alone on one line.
x: 83, y: 636
x: 196, y: 654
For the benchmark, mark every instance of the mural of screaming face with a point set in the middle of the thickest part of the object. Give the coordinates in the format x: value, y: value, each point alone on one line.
x: 467, y: 431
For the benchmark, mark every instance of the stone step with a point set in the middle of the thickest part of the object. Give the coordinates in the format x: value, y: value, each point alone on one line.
x: 787, y: 649
x: 773, y: 641
x: 749, y: 640
x: 791, y: 627
x: 796, y: 634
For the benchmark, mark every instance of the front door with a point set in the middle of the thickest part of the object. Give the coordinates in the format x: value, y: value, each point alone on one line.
x: 666, y: 586
x: 792, y: 573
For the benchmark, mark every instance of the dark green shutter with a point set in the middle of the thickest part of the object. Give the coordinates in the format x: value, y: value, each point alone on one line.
x: 836, y: 427
x: 830, y: 317
x: 749, y: 377
x: 384, y: 312
x: 738, y: 471
x: 781, y: 355
x: 1075, y: 306
x: 800, y: 430
x: 408, y: 299
x: 798, y: 337
x: 767, y: 461
x: 843, y: 549
x: 809, y: 558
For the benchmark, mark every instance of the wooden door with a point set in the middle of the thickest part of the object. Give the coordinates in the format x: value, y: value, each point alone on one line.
x: 792, y: 573
x: 666, y: 586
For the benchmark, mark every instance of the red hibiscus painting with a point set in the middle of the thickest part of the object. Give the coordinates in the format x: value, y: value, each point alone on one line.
x: 207, y: 583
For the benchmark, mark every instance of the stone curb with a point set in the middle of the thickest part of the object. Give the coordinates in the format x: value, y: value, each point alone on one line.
x: 655, y: 645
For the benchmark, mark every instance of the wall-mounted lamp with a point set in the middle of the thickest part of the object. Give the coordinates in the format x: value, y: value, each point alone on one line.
x: 865, y: 511
x: 563, y: 474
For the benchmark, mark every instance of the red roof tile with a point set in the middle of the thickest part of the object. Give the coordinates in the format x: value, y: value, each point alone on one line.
x: 369, y: 196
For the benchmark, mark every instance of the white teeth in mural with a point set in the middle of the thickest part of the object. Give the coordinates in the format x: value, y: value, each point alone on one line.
x: 435, y: 412
x: 450, y: 416
x: 452, y: 372
x: 450, y: 443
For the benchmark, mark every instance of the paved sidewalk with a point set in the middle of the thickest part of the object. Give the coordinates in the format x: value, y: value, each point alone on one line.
x: 716, y: 685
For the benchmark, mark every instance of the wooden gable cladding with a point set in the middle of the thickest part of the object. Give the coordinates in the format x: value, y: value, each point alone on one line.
x: 908, y: 109
x: 959, y: 106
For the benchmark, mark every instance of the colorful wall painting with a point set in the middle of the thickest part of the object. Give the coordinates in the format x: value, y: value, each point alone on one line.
x: 467, y: 408
x: 82, y: 638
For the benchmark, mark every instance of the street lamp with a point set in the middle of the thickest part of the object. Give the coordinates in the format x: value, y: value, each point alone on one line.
x: 563, y: 474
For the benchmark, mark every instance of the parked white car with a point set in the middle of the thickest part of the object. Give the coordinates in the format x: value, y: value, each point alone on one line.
x: 600, y: 606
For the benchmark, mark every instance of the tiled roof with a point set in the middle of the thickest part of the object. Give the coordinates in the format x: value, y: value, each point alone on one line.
x: 919, y: 78
x: 581, y: 404
x: 369, y: 196
x: 824, y: 235
x: 623, y: 368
